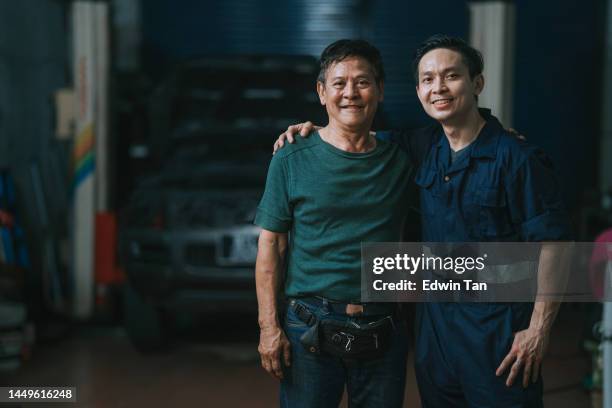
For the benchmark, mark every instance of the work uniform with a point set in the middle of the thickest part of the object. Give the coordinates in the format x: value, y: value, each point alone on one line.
x: 499, y: 189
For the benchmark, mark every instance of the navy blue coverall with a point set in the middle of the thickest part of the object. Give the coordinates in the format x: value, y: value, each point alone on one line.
x: 501, y: 189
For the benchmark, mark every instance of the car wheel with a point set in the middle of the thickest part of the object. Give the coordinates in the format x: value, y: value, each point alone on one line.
x: 149, y: 327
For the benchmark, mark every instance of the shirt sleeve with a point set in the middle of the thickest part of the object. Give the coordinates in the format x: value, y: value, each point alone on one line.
x: 274, y: 212
x: 535, y: 202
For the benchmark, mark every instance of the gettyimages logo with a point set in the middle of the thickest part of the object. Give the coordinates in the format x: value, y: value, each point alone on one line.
x: 476, y: 271
x: 410, y: 264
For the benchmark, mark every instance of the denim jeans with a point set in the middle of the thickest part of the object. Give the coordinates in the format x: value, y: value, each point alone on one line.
x: 318, y: 380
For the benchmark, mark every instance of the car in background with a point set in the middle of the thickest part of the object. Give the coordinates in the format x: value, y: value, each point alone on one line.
x: 187, y: 239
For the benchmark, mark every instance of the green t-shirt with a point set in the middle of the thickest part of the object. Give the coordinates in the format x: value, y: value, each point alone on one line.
x: 330, y: 201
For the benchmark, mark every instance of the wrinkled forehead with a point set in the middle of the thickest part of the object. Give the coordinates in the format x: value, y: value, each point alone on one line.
x: 350, y: 65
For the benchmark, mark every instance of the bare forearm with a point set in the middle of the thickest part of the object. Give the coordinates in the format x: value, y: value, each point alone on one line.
x: 544, y: 314
x: 529, y: 345
x: 552, y: 279
x: 267, y: 283
x: 268, y: 272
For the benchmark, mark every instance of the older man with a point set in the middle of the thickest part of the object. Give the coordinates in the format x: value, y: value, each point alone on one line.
x: 325, y: 195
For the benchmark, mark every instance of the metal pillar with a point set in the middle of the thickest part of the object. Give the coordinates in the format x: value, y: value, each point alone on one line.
x: 492, y: 31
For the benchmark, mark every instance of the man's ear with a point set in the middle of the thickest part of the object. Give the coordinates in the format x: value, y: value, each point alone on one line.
x: 321, y: 92
x: 479, y: 83
x: 381, y: 88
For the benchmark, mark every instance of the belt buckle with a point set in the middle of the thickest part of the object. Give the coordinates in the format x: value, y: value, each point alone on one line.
x: 354, y: 310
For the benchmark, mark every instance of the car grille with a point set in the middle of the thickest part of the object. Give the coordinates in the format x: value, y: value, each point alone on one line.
x: 199, y: 255
x: 154, y: 253
x: 191, y: 210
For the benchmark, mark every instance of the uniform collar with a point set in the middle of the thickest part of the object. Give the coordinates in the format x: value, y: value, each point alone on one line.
x: 486, y: 143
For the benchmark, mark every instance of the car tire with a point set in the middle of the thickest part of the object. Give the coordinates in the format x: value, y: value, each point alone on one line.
x: 148, y: 327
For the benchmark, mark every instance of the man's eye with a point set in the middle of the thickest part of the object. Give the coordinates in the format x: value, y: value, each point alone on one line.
x: 363, y: 83
x: 452, y: 76
x: 338, y: 84
x: 426, y: 80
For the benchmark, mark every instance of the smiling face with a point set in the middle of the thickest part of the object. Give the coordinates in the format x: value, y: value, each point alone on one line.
x: 351, y: 93
x: 444, y: 86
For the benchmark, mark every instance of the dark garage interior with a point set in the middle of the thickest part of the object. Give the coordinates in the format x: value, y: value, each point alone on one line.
x: 135, y: 139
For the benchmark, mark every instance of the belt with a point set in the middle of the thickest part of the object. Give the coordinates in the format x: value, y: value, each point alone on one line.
x: 369, y: 309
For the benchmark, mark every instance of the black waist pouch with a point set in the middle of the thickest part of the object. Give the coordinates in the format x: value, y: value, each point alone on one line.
x: 356, y: 341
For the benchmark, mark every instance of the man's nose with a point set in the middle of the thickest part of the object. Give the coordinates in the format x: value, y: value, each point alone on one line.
x: 439, y: 85
x: 350, y: 90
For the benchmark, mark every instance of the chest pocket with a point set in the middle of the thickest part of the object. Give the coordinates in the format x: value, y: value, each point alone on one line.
x: 492, y: 213
x: 425, y: 179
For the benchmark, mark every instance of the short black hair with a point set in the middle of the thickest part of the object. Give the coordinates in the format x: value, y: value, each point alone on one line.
x: 470, y: 55
x: 343, y: 49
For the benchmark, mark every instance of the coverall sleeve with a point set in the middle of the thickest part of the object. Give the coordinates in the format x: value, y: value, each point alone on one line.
x: 535, y: 202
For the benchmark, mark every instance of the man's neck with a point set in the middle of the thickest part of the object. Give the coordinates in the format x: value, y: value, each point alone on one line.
x: 461, y: 132
x: 348, y: 139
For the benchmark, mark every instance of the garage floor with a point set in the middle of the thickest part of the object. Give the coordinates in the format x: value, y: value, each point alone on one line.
x: 222, y: 370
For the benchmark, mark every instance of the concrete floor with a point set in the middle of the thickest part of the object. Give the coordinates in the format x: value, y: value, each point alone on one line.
x: 200, y: 371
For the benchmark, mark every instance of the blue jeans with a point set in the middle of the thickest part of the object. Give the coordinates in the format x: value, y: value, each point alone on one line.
x: 318, y: 380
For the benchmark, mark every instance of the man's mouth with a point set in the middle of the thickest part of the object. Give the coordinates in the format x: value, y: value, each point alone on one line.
x: 441, y: 101
x: 351, y: 107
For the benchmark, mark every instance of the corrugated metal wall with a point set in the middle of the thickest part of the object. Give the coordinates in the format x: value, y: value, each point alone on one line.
x: 301, y: 27
x: 398, y: 27
x: 243, y: 26
x: 558, y: 93
x: 558, y: 56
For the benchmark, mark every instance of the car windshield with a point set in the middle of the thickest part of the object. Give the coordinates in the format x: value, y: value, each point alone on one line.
x: 225, y: 116
x: 242, y: 102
